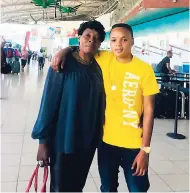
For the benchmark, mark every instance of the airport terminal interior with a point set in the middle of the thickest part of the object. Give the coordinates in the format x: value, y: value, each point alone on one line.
x: 33, y: 31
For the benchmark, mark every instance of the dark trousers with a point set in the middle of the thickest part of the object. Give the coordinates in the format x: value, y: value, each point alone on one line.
x: 109, y: 159
x: 29, y: 58
x: 23, y: 63
x: 69, y: 171
x: 165, y: 78
x: 41, y: 63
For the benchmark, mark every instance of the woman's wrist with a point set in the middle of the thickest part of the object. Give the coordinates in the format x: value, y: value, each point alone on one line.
x: 43, y: 141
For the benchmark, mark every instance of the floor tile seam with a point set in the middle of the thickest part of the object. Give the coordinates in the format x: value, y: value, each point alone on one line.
x: 180, y: 167
x: 153, y: 170
x: 20, y: 163
x: 165, y: 181
x: 14, y: 134
x: 179, y: 160
x: 23, y: 153
x: 183, y: 172
x: 7, y: 181
x: 175, y: 173
x: 22, y: 147
x: 171, y: 174
x: 10, y: 153
x: 23, y: 165
x: 97, y: 188
x: 26, y: 118
x: 21, y: 150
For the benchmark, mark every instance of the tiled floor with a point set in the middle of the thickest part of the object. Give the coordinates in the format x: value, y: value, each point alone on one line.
x: 21, y: 95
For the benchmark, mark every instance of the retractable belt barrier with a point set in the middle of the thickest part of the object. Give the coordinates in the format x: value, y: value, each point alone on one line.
x: 176, y: 87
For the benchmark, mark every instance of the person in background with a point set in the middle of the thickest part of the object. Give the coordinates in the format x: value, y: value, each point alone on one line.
x: 10, y: 54
x: 5, y: 48
x: 5, y: 68
x: 24, y: 58
x: 15, y: 66
x: 70, y: 121
x: 33, y: 55
x: 165, y: 68
x: 44, y: 54
x: 40, y: 59
x: 17, y: 54
x: 29, y: 56
x: 130, y: 86
x: 50, y: 58
x: 164, y: 64
x: 3, y: 55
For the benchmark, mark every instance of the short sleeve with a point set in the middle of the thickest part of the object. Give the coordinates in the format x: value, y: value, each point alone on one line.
x: 167, y: 60
x: 103, y: 57
x: 149, y: 83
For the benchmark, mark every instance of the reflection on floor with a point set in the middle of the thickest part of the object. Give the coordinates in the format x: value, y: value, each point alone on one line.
x: 20, y: 99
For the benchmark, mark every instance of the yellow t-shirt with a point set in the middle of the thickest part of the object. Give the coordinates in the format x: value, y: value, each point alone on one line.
x: 125, y: 85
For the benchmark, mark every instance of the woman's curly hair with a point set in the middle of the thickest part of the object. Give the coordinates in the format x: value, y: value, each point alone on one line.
x: 95, y: 25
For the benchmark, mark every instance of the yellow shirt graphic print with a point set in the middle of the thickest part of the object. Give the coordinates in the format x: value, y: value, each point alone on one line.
x: 124, y: 104
x: 129, y: 92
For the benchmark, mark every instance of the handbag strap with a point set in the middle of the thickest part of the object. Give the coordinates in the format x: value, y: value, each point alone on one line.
x: 31, y: 179
x: 45, y: 179
x: 36, y: 181
x: 35, y: 175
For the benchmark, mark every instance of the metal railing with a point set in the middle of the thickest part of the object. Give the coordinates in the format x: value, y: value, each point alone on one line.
x: 107, y: 7
x: 123, y: 9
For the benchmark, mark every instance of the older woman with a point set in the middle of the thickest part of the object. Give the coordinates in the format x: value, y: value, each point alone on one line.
x: 71, y: 116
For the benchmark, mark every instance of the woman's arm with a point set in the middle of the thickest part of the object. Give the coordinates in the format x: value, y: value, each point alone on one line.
x: 148, y: 120
x: 59, y: 58
x: 49, y: 106
x: 142, y: 160
x: 149, y: 88
x: 48, y: 111
x: 169, y: 68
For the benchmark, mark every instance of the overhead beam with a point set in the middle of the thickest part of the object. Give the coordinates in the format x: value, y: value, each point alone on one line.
x: 39, y: 12
x: 38, y: 8
x: 14, y: 15
x: 34, y: 13
x: 133, y: 11
x: 24, y: 10
x: 19, y: 13
x: 107, y: 7
x: 145, y: 4
x: 166, y: 4
x: 20, y: 3
x: 14, y: 5
x: 123, y: 9
x: 80, y: 17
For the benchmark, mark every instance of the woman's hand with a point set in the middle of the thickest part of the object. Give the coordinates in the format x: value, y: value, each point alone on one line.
x: 141, y: 163
x: 59, y: 59
x: 43, y: 154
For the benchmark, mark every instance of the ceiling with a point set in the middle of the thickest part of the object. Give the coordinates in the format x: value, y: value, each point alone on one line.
x: 25, y: 12
x: 147, y: 15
